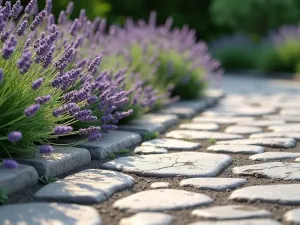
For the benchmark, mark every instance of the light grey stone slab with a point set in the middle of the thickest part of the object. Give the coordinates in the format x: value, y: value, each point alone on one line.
x: 279, y: 194
x: 201, y: 135
x: 160, y: 200
x: 147, y: 218
x: 262, y: 123
x: 237, y: 149
x: 152, y: 118
x: 222, y: 119
x: 212, y: 113
x: 243, y: 129
x: 214, y: 93
x: 267, y: 156
x: 294, y: 135
x: 198, y: 104
x: 231, y: 212
x: 292, y: 216
x: 48, y: 214
x: 143, y: 128
x: 157, y: 185
x: 212, y: 183
x: 269, y: 142
x: 111, y: 142
x: 273, y: 170
x: 172, y: 144
x: 189, y: 164
x: 239, y: 222
x: 90, y: 186
x: 13, y: 180
x: 200, y: 126
x: 144, y: 150
x: 62, y: 160
x: 251, y: 110
x: 294, y: 127
x: 180, y: 111
x: 285, y: 118
x: 290, y: 112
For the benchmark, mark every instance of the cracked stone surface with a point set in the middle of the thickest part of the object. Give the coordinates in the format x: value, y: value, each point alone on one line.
x: 86, y: 187
x: 222, y: 119
x: 160, y: 200
x: 242, y: 130
x: 273, y: 170
x: 278, y: 194
x: 237, y: 149
x: 269, y: 142
x: 231, y: 212
x: 144, y: 150
x: 295, y: 127
x: 200, y: 126
x: 267, y: 156
x: 292, y: 216
x: 239, y: 222
x: 48, y: 213
x: 157, y: 185
x: 189, y: 164
x: 148, y: 218
x: 262, y: 123
x: 172, y: 144
x: 294, y: 135
x: 215, y: 184
x: 201, y: 135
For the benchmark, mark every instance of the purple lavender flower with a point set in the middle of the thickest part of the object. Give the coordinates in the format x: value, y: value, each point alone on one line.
x: 108, y: 127
x: 1, y: 75
x: 22, y: 27
x: 65, y: 59
x: 6, y: 10
x: 62, y: 18
x: 38, y: 20
x: 89, y: 130
x: 48, y: 57
x: 62, y: 129
x: 16, y: 10
x: 94, y: 64
x: 70, y: 8
x: 10, y: 164
x: 48, y: 6
x: 121, y: 115
x: 2, y: 22
x: 5, y: 35
x: 74, y: 27
x: 42, y: 99
x: 9, y: 47
x: 32, y: 110
x: 94, y: 137
x: 37, y: 83
x: 46, y: 149
x: 30, y: 6
x: 24, y: 62
x: 27, y: 44
x: 14, y: 136
x: 51, y: 21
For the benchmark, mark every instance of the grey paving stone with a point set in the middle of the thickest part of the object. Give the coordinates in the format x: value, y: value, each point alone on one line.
x: 180, y: 111
x: 214, y: 184
x: 201, y: 135
x: 144, y: 150
x: 212, y: 113
x: 152, y: 118
x: 111, y: 143
x: 172, y: 144
x: 222, y: 119
x: 290, y: 112
x: 251, y: 110
x: 13, y: 180
x: 198, y: 104
x: 160, y: 200
x: 157, y: 185
x: 214, y: 93
x: 292, y: 216
x: 89, y: 186
x: 200, y: 126
x: 189, y: 164
x: 273, y: 170
x: 236, y: 149
x: 294, y: 135
x: 262, y: 123
x: 143, y: 128
x: 278, y: 194
x: 62, y: 160
x: 281, y: 117
x: 239, y: 222
x: 231, y: 212
x: 267, y: 156
x: 294, y: 127
x: 242, y: 129
x: 147, y: 218
x: 48, y: 214
x: 269, y: 142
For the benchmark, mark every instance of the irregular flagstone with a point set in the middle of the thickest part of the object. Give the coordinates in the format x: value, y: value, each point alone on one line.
x: 180, y: 111
x: 292, y: 216
x: 201, y: 135
x: 172, y: 144
x: 13, y: 180
x: 251, y: 111
x: 294, y: 135
x: 156, y: 185
x: 290, y: 112
x: 62, y: 160
x: 166, y: 120
x: 200, y: 126
x: 215, y: 184
x: 149, y: 150
x: 147, y: 218
x: 48, y: 213
x: 294, y: 127
x: 236, y: 149
x: 262, y: 123
x: 278, y: 193
x: 89, y: 186
x: 270, y: 142
x: 297, y: 160
x: 189, y: 164
x: 211, y: 113
x: 239, y: 222
x: 222, y: 119
x: 273, y: 170
x: 274, y: 156
x: 243, y: 129
x: 160, y: 200
x: 231, y: 212
x: 281, y: 117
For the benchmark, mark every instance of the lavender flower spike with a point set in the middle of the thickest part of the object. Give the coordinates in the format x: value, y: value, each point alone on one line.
x: 9, y: 47
x: 32, y: 110
x: 46, y: 149
x: 42, y: 99
x: 30, y: 6
x: 10, y: 164
x: 70, y: 8
x: 48, y: 7
x: 21, y: 29
x: 38, y: 20
x: 94, y: 64
x: 16, y: 9
x: 24, y: 62
x: 14, y: 136
x: 37, y: 83
x: 62, y: 129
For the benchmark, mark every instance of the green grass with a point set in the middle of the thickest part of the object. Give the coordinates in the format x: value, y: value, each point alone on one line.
x: 47, y: 179
x: 212, y: 141
x: 150, y: 136
x: 3, y: 196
